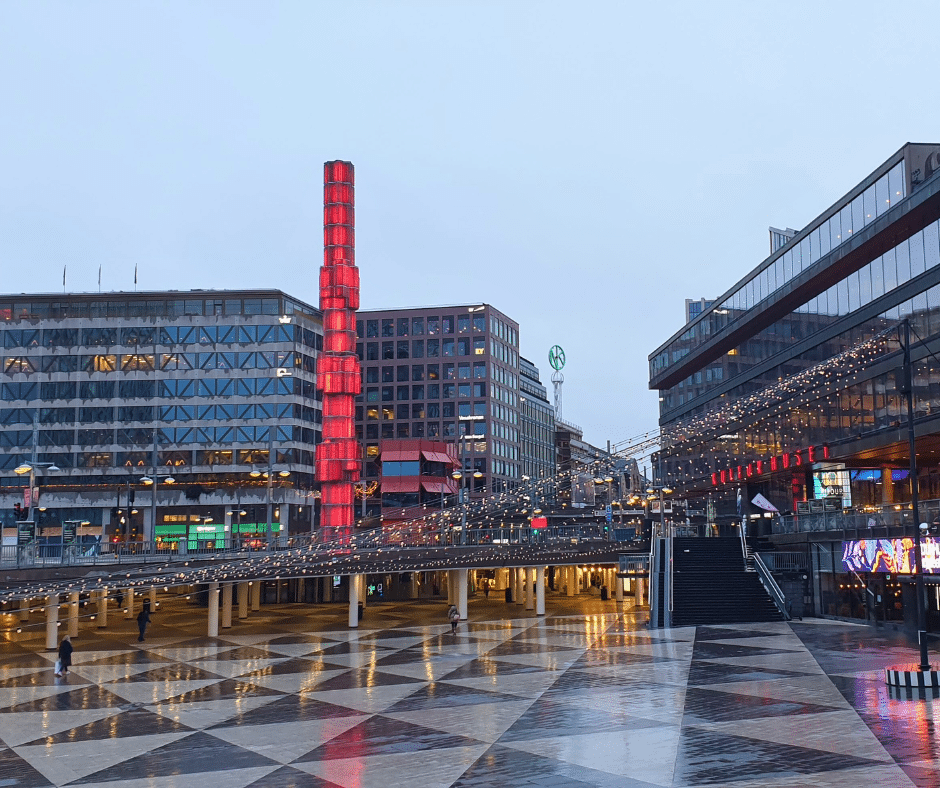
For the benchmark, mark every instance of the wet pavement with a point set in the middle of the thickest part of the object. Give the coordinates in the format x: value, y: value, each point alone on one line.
x: 586, y: 696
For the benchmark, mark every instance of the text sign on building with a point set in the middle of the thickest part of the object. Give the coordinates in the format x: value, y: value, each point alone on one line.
x: 781, y: 462
x: 890, y: 556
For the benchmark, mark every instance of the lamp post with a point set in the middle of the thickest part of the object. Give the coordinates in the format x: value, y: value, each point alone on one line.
x: 268, y: 476
x: 30, y: 468
x: 151, y: 481
x: 461, y: 476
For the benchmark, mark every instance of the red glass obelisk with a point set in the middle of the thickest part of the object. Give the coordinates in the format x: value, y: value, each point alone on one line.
x: 338, y: 373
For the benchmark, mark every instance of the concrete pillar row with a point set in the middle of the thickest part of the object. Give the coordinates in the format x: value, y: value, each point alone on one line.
x: 462, y: 580
x: 539, y: 590
x: 213, y: 610
x: 528, y: 575
x: 618, y: 587
x: 363, y: 591
x: 244, y: 591
x: 129, y: 603
x: 24, y: 610
x: 518, y: 592
x: 153, y: 598
x: 354, y: 600
x: 256, y: 596
x: 103, y: 608
x: 52, y: 622
x: 226, y: 606
x: 73, y: 614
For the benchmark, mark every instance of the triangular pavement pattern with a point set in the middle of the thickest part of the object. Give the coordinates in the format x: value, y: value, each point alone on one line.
x: 484, y: 721
x: 150, y: 692
x: 286, y: 741
x: 368, y: 699
x: 75, y: 760
x: 205, y: 714
x: 17, y: 729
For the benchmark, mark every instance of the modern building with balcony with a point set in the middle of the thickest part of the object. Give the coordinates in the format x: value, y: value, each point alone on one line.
x: 112, y: 396
x: 788, y: 386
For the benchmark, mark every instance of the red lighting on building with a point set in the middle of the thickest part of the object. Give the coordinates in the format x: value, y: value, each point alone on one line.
x: 338, y: 373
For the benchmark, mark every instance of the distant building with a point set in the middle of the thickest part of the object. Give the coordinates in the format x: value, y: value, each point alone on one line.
x: 695, y: 307
x: 780, y: 238
x: 536, y: 424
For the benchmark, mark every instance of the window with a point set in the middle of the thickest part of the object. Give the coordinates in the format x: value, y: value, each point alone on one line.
x: 372, y: 328
x: 402, y: 393
x: 372, y: 374
x: 388, y: 393
x: 434, y: 391
x: 417, y: 410
x: 417, y: 371
x: 388, y: 374
x: 403, y: 349
x: 434, y: 372
x: 417, y: 326
x: 388, y: 327
x: 406, y: 468
x: 447, y: 324
x: 448, y: 347
x: 417, y: 348
x: 401, y: 412
x: 479, y: 369
x: 403, y: 326
x: 479, y: 322
x: 388, y: 351
x: 434, y: 348
x: 402, y: 373
x: 463, y: 390
x: 463, y: 346
x: 479, y: 346
x: 372, y: 394
x: 463, y: 324
x: 448, y: 390
x: 372, y: 351
x: 434, y: 410
x: 449, y: 372
x: 417, y: 392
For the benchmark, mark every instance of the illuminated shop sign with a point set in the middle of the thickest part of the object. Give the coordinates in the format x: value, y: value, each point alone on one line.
x: 778, y: 462
x: 890, y: 556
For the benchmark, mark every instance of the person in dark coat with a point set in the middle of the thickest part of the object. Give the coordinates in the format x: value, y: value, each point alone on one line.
x: 65, y: 656
x: 143, y: 618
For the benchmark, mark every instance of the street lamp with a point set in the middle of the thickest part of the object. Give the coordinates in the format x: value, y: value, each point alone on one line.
x: 268, y: 475
x: 30, y: 468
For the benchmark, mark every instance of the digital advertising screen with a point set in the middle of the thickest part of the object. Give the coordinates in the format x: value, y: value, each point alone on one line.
x: 890, y: 556
x: 833, y: 483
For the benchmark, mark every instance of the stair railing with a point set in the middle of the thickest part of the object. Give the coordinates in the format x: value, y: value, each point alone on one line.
x: 767, y: 580
x: 670, y: 541
x: 655, y: 601
x: 743, y: 534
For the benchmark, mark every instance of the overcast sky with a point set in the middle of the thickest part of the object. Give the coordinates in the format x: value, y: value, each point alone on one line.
x: 582, y: 166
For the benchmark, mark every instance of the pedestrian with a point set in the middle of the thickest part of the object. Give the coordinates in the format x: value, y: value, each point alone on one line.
x: 453, y: 615
x: 486, y: 589
x: 143, y: 618
x: 65, y: 657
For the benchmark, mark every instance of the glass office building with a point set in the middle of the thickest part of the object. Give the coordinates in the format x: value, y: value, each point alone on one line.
x: 791, y: 374
x: 537, y: 424
x: 205, y: 388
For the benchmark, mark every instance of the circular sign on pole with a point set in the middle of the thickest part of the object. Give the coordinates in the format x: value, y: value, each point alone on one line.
x: 556, y: 357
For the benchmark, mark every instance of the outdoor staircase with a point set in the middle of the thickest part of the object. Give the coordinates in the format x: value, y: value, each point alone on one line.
x: 712, y: 585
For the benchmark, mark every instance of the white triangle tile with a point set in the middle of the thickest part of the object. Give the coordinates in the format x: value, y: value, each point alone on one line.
x: 294, y: 649
x: 429, y: 670
x: 17, y: 729
x: 372, y: 700
x: 523, y: 685
x: 788, y: 642
x: 75, y: 760
x: 801, y: 662
x: 286, y: 741
x: 484, y: 722
x: 354, y: 660
x: 84, y: 657
x: 102, y: 674
x: 400, y: 768
x: 799, y: 689
x: 13, y: 696
x: 645, y: 754
x: 155, y: 691
x: 232, y: 778
x: 204, y: 714
x: 880, y: 775
x: 191, y: 653
x: 553, y: 660
x: 15, y: 673
x: 296, y: 682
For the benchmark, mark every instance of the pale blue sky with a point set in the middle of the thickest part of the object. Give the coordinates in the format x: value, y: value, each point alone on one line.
x: 584, y: 167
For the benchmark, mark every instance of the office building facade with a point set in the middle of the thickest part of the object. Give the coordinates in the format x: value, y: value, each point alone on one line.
x: 536, y: 424
x: 443, y: 374
x: 212, y: 389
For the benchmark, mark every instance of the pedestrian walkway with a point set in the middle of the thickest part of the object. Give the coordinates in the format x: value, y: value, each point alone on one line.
x: 585, y: 696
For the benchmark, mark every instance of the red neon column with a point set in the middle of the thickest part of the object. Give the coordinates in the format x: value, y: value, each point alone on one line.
x: 338, y: 373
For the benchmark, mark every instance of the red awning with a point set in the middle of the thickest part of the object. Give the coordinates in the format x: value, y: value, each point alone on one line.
x: 394, y: 455
x: 438, y: 456
x: 437, y: 487
x: 390, y: 484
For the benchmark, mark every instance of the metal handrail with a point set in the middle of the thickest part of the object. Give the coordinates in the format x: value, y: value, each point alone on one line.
x: 669, y: 568
x: 767, y: 580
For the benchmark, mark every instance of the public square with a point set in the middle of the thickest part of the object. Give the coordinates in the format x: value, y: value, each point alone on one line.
x: 585, y: 696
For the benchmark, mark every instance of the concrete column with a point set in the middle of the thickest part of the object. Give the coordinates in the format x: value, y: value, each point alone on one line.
x: 24, y: 610
x: 129, y: 603
x: 300, y: 590
x: 450, y: 587
x: 153, y: 598
x: 226, y: 606
x: 256, y: 596
x: 570, y: 580
x: 640, y: 585
x: 73, y: 614
x: 277, y: 592
x: 213, y: 610
x: 52, y: 622
x: 520, y: 586
x: 540, y: 590
x: 462, y: 593
x: 363, y: 590
x: 327, y: 588
x: 354, y: 601
x: 244, y: 590
x: 103, y: 608
x: 618, y: 587
x: 528, y: 575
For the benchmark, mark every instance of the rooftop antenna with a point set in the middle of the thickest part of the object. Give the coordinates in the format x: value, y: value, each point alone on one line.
x: 556, y: 357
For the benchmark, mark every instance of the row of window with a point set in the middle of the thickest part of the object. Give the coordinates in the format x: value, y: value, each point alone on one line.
x: 418, y: 348
x: 418, y: 372
x: 863, y: 210
x: 397, y: 429
x: 433, y: 391
x: 421, y: 326
x: 147, y: 336
x: 421, y: 410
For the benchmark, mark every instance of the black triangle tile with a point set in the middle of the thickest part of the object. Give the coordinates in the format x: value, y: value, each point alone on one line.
x: 706, y: 757
x: 723, y: 633
x: 289, y: 777
x: 86, y: 697
x: 44, y: 677
x: 179, y: 671
x: 404, y: 657
x: 292, y: 666
x: 136, y: 657
x: 437, y: 695
x: 301, y: 708
x: 484, y: 666
x: 133, y: 722
x: 350, y: 648
x: 293, y: 640
x: 381, y: 736
x: 604, y: 658
x: 16, y: 771
x: 713, y: 673
x: 502, y: 766
x: 241, y: 653
x: 360, y: 678
x: 387, y: 634
x: 548, y: 718
x: 513, y: 648
x: 705, y: 705
x: 193, y: 754
x: 706, y: 649
x: 230, y: 689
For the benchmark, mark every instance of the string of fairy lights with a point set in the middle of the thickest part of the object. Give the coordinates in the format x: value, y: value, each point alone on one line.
x: 392, y: 549
x: 752, y: 421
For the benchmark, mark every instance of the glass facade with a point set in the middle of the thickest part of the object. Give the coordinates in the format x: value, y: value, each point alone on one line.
x: 206, y: 382
x: 537, y: 424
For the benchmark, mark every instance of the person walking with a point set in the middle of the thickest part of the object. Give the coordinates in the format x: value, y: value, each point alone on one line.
x: 486, y: 589
x: 453, y: 615
x: 143, y: 618
x: 65, y: 657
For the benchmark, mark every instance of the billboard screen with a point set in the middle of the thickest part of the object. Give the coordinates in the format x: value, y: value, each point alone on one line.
x: 890, y: 556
